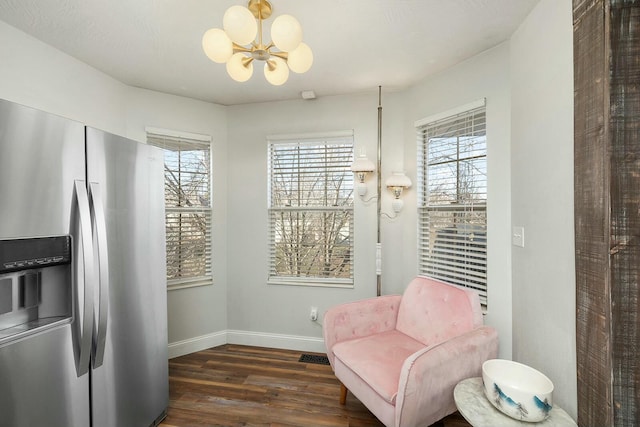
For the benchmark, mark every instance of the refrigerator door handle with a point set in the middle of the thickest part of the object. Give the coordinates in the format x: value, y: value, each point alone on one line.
x: 100, y: 227
x: 84, y: 286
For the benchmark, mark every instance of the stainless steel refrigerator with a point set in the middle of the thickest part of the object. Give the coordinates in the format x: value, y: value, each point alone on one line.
x: 83, y: 309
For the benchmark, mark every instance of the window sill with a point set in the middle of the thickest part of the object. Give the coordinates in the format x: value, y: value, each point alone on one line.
x: 314, y: 283
x: 177, y: 286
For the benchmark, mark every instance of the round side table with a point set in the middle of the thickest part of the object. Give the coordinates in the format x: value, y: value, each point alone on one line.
x: 479, y: 412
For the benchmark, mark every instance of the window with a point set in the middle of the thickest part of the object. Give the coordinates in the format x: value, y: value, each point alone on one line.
x: 452, y: 209
x: 311, y: 209
x: 187, y: 172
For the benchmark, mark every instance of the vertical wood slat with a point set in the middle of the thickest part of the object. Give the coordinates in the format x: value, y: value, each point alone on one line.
x: 607, y: 209
x: 591, y: 216
x: 624, y: 120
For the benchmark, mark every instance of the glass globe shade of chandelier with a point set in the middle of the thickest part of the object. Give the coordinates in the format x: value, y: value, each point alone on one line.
x: 236, y: 45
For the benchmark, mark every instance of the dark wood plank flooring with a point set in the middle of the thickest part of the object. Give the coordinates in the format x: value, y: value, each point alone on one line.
x: 235, y: 385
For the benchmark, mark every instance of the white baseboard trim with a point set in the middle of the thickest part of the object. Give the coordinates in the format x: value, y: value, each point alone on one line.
x: 288, y: 342
x: 192, y: 345
x: 258, y: 339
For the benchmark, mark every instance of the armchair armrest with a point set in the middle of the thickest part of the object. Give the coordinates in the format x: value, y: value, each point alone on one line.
x: 428, y: 377
x: 359, y: 319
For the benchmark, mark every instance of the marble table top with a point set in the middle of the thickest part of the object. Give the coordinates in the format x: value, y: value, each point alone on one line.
x: 479, y: 412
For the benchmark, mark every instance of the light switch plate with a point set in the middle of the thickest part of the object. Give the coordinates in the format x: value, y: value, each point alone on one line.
x: 517, y: 236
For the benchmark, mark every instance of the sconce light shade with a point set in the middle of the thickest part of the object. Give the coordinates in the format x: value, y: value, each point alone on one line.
x: 361, y: 167
x: 362, y: 164
x: 397, y: 182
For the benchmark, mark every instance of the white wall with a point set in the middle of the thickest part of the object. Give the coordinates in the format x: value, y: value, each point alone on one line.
x: 542, y: 197
x: 37, y: 75
x: 253, y: 305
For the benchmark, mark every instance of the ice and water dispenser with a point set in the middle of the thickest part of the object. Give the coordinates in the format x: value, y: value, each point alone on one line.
x: 35, y: 285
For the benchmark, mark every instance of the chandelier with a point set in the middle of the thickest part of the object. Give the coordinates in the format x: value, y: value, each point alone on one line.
x: 237, y: 46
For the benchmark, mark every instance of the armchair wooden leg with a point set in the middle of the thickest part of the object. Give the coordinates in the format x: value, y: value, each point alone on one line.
x: 343, y: 394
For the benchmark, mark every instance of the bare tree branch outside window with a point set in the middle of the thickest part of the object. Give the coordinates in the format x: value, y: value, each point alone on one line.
x: 188, y: 210
x: 311, y: 211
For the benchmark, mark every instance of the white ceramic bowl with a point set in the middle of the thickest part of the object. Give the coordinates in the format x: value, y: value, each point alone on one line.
x: 517, y: 390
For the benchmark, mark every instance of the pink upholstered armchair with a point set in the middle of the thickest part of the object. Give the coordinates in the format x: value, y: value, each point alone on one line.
x: 402, y: 356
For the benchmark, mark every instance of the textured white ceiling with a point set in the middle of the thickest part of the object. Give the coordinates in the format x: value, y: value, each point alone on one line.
x: 357, y: 44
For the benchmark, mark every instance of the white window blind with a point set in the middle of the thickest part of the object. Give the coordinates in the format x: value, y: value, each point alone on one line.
x: 452, y: 175
x: 187, y: 167
x: 311, y: 210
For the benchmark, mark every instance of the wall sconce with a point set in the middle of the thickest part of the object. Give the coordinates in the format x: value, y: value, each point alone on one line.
x: 361, y: 167
x: 397, y: 182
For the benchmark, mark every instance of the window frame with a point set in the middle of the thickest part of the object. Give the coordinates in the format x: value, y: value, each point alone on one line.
x: 326, y: 139
x: 464, y: 240
x: 163, y: 138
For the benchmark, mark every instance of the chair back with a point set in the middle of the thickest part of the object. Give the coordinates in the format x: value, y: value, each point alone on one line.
x: 432, y: 311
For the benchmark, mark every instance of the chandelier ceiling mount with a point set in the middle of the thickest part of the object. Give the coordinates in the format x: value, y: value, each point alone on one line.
x: 260, y: 9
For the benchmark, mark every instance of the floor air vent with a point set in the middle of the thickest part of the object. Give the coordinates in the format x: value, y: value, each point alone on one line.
x: 313, y: 358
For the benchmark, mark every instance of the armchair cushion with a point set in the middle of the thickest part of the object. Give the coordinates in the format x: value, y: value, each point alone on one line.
x: 377, y: 360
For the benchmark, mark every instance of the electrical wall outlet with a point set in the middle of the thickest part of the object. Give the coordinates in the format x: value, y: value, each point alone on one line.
x: 313, y: 314
x: 517, y: 236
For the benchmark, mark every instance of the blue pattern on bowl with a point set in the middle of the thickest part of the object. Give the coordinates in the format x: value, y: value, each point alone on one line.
x: 518, y: 406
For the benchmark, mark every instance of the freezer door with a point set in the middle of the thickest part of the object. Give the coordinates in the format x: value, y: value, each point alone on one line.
x: 41, y: 158
x: 130, y: 386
